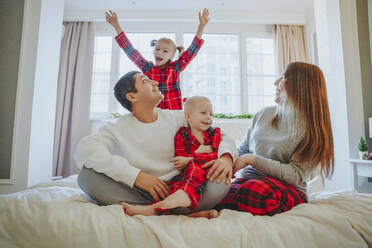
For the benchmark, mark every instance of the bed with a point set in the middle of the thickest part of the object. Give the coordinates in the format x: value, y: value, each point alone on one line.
x: 56, y: 214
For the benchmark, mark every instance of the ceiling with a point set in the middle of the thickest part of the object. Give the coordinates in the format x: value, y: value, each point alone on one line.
x: 271, y: 6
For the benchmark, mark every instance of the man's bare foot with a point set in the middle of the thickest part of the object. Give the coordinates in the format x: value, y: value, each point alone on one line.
x: 138, y: 209
x: 209, y: 214
x: 178, y: 199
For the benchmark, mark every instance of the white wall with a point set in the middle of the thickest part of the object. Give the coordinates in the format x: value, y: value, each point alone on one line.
x: 36, y: 94
x: 45, y: 92
x: 339, y: 60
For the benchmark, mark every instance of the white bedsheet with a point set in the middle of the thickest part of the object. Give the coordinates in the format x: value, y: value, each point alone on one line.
x: 56, y: 215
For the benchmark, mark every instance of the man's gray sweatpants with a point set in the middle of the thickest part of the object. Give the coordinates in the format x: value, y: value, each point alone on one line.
x: 106, y: 191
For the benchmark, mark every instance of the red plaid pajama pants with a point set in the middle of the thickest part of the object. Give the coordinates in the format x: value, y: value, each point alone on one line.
x: 192, y: 180
x: 261, y: 195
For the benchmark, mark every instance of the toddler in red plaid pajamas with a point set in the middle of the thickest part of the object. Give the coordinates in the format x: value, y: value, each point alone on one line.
x: 195, y: 145
x: 165, y: 71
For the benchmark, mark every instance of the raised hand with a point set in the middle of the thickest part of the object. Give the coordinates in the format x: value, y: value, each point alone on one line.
x: 112, y: 19
x: 204, y: 18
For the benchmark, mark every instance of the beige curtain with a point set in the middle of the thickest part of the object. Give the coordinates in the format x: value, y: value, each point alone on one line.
x: 290, y: 45
x: 74, y: 89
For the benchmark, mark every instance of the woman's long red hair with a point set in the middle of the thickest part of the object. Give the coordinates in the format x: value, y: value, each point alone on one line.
x: 305, y: 88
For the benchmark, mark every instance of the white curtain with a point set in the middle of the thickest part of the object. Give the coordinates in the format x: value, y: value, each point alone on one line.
x: 74, y: 90
x: 290, y: 45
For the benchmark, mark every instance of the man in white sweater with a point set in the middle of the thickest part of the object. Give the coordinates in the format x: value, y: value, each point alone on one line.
x: 129, y: 161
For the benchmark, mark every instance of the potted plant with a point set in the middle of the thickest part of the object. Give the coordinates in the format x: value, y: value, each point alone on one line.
x: 363, y: 149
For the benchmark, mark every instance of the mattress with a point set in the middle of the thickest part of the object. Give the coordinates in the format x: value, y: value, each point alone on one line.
x: 56, y: 214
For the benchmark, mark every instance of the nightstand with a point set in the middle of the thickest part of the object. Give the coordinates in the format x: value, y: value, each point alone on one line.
x: 361, y: 168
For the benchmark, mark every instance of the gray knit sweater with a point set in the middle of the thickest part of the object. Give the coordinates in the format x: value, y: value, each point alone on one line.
x: 273, y: 149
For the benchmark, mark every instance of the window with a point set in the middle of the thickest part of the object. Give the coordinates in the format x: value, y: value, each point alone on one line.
x: 101, y: 76
x: 234, y: 71
x: 260, y: 73
x: 214, y: 72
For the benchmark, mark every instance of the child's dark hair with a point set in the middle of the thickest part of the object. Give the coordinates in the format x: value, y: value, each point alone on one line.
x: 180, y: 49
x: 123, y: 86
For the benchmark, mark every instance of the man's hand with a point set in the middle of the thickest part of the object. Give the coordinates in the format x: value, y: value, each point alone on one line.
x: 204, y: 149
x: 221, y: 169
x: 243, y: 161
x: 153, y: 185
x: 112, y: 19
x: 180, y: 162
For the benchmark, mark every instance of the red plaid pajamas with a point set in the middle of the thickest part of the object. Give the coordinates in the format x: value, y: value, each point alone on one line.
x: 168, y: 75
x: 261, y: 195
x: 193, y: 177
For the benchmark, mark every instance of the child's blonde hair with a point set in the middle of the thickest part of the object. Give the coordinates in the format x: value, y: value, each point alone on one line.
x: 192, y: 101
x: 180, y: 49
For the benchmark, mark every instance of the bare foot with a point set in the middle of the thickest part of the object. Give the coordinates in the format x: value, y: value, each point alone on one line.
x: 178, y: 199
x: 138, y: 209
x: 209, y: 214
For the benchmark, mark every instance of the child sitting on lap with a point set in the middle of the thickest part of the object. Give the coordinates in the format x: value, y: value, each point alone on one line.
x: 195, y: 145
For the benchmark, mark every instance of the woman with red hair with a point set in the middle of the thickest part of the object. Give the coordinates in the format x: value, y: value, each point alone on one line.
x: 284, y: 146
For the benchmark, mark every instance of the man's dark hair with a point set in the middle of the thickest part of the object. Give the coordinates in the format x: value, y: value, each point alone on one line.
x: 123, y: 86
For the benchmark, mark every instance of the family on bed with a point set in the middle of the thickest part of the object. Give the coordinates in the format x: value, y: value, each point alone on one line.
x: 161, y: 160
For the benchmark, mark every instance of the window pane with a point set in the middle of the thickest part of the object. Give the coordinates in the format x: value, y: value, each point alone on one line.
x: 101, y: 75
x: 260, y: 73
x: 268, y: 64
x: 261, y: 85
x: 103, y: 44
x: 101, y: 83
x: 214, y: 72
x: 99, y: 103
x: 260, y: 45
x: 102, y: 62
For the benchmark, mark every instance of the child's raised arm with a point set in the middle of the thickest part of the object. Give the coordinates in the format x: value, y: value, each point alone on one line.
x: 185, y: 58
x: 123, y: 41
x: 112, y: 19
x: 203, y: 20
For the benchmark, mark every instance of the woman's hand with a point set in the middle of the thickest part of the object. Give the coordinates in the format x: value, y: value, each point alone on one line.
x: 112, y: 19
x: 221, y: 169
x: 152, y: 184
x: 243, y: 161
x: 204, y: 18
x: 204, y: 149
x: 180, y: 162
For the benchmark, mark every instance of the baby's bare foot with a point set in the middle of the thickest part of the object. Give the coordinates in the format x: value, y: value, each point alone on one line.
x: 178, y: 199
x: 138, y: 209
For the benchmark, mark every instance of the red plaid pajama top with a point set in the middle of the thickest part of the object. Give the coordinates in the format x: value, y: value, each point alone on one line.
x: 193, y: 177
x: 168, y: 75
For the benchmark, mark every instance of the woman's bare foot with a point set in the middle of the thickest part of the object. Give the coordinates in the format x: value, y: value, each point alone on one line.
x: 138, y: 209
x: 209, y: 214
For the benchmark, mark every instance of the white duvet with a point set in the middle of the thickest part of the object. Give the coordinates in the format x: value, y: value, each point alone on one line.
x: 56, y: 215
